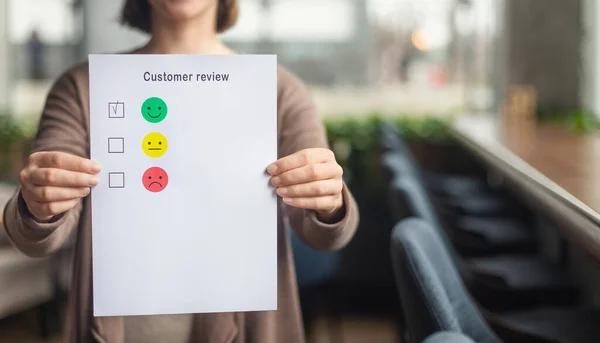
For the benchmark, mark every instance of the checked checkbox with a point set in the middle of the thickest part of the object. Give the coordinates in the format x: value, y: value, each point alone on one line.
x: 116, y: 109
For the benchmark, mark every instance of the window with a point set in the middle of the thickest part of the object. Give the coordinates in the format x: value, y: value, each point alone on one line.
x: 391, y: 56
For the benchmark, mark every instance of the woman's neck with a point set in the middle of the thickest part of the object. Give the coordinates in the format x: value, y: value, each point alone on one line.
x: 185, y: 38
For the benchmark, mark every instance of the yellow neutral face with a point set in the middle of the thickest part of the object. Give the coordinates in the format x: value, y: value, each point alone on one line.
x: 155, y: 144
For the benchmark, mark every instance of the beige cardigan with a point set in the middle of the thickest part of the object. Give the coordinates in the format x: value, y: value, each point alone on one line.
x: 64, y: 126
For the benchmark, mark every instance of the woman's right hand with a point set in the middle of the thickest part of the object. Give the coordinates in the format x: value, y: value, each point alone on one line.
x: 53, y: 182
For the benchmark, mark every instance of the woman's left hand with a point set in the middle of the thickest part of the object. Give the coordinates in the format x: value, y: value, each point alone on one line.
x: 309, y: 179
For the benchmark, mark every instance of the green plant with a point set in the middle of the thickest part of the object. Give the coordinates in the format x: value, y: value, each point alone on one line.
x: 432, y: 129
x: 15, y: 139
x: 356, y: 141
x: 580, y: 121
x: 11, y: 132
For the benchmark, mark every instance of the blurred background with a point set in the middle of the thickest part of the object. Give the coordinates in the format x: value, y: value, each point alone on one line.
x: 418, y: 56
x: 414, y: 66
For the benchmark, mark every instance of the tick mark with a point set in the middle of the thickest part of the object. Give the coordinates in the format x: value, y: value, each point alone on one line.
x: 115, y: 107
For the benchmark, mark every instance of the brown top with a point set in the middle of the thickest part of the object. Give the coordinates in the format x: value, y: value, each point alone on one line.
x: 553, y: 167
x: 64, y: 126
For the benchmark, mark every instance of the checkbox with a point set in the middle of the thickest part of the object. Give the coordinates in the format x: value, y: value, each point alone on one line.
x: 116, y: 180
x: 116, y: 145
x: 116, y: 109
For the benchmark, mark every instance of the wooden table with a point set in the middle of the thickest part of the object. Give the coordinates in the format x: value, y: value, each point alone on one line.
x: 553, y: 169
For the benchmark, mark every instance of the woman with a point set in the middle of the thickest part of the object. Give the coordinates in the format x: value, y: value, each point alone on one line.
x: 53, y: 201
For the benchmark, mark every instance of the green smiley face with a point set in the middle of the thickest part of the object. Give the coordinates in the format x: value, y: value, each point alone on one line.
x: 154, y: 110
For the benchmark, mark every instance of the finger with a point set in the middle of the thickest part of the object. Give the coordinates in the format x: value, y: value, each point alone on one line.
x: 52, y: 193
x: 299, y: 159
x: 61, y: 177
x: 325, y: 203
x: 61, y: 160
x: 310, y: 173
x: 50, y: 209
x: 312, y: 189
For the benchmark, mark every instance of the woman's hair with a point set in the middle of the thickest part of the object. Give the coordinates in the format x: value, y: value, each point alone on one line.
x: 136, y: 14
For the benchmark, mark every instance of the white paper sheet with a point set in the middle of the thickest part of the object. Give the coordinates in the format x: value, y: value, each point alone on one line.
x: 203, y: 236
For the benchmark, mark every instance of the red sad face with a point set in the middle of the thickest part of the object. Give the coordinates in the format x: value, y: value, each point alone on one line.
x: 155, y: 179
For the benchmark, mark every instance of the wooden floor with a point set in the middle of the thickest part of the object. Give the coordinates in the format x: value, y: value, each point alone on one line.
x: 355, y: 329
